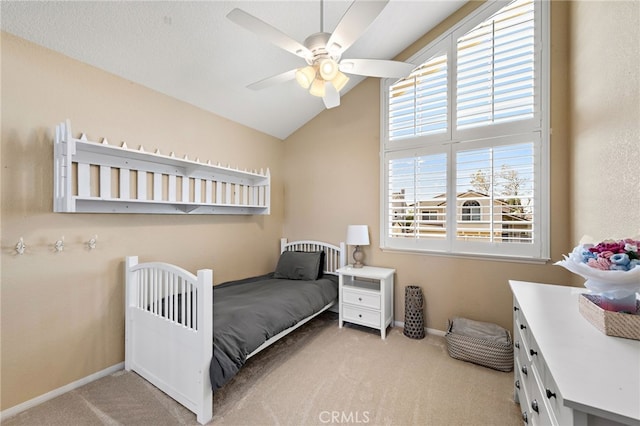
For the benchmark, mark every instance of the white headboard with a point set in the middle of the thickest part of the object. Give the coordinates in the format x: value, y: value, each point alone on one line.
x: 334, y: 256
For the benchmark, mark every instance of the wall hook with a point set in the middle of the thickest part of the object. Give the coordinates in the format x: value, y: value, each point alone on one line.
x: 92, y: 242
x: 21, y: 246
x: 59, y: 245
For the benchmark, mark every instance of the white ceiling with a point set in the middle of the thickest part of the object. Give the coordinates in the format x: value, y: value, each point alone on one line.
x: 189, y: 49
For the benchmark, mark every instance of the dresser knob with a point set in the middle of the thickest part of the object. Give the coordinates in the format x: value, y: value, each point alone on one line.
x: 517, y: 345
x: 550, y: 394
x: 534, y: 406
x: 524, y: 417
x: 522, y: 326
x: 359, y: 299
x: 359, y: 315
x: 518, y: 384
x: 524, y: 370
x: 532, y: 352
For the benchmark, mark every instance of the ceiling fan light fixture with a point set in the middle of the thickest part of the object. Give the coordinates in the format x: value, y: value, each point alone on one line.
x: 305, y: 76
x: 317, y: 88
x: 328, y: 69
x: 339, y: 81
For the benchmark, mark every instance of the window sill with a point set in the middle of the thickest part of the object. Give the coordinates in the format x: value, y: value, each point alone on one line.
x: 494, y: 258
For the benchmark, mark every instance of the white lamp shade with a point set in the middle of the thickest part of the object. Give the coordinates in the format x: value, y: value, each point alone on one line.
x: 317, y: 88
x: 358, y: 235
x: 304, y: 76
x: 339, y: 81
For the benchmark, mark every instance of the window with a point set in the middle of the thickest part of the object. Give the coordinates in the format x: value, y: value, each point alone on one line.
x: 471, y: 211
x: 465, y: 140
x: 418, y: 104
x: 429, y: 215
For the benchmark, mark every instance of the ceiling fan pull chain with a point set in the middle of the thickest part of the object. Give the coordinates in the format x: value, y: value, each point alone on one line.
x: 321, y: 16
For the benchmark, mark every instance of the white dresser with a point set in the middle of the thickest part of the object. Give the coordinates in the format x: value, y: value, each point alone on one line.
x: 366, y: 297
x: 566, y: 371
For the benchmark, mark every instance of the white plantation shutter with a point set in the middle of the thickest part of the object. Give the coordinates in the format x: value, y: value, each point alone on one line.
x: 465, y: 140
x: 500, y: 181
x: 495, y: 74
x: 418, y: 103
x: 416, y: 206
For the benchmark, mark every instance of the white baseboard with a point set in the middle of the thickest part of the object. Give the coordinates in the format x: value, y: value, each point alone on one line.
x: 12, y: 411
x: 427, y: 330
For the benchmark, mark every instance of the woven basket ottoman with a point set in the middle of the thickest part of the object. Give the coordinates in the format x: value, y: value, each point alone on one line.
x: 481, y: 343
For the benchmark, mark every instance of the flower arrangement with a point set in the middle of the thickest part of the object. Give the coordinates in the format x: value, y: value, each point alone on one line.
x: 609, y: 255
x: 611, y: 268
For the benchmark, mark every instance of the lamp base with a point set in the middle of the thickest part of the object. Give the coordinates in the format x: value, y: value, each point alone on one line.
x: 358, y: 255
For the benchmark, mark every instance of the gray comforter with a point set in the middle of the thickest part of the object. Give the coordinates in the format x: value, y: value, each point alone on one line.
x: 248, y: 312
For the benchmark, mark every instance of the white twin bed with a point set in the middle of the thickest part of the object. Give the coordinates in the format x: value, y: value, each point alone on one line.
x: 170, y: 321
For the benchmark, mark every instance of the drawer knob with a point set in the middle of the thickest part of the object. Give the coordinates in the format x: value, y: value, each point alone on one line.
x: 534, y: 406
x: 517, y: 345
x: 524, y: 417
x: 359, y: 315
x: 532, y: 352
x: 522, y: 326
x: 518, y: 384
x: 550, y: 394
x: 360, y: 299
x: 515, y: 309
x: 524, y: 370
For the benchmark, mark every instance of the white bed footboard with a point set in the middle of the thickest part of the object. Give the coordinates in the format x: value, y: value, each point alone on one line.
x: 169, y: 331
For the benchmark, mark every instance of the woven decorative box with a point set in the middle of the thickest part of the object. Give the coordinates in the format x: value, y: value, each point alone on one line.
x: 610, y: 323
x: 481, y: 343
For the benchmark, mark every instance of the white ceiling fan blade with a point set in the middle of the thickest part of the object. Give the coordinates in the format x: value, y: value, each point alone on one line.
x: 331, y: 96
x: 276, y: 79
x: 354, y: 22
x: 376, y: 68
x: 274, y: 35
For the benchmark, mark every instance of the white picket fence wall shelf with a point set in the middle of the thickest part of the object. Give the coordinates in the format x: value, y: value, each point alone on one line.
x: 93, y: 177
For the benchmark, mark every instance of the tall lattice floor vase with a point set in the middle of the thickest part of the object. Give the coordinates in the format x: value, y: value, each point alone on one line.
x: 413, y: 312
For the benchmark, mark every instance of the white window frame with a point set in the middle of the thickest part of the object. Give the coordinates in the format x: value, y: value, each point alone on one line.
x: 471, y: 211
x: 452, y: 140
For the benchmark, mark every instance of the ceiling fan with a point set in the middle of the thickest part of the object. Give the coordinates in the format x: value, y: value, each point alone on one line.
x: 324, y: 74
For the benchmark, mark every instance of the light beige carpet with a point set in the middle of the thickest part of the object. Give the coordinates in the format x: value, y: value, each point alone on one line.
x: 318, y: 375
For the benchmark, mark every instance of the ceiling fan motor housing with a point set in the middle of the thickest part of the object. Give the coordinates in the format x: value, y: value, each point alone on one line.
x: 317, y: 44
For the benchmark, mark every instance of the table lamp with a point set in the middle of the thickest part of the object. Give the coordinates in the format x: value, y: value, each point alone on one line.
x: 358, y: 235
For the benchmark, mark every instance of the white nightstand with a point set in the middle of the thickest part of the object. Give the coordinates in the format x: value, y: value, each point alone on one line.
x: 366, y: 297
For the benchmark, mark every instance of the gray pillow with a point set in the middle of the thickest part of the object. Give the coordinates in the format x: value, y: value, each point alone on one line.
x: 297, y: 265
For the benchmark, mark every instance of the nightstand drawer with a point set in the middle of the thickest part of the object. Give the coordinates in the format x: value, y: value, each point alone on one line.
x: 361, y: 316
x: 360, y: 298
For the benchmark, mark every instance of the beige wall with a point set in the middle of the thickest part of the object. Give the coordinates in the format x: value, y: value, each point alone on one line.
x: 62, y: 314
x: 332, y: 179
x: 605, y: 88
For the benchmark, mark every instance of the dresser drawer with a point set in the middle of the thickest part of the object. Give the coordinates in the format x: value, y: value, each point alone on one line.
x: 531, y: 355
x: 527, y: 380
x: 522, y: 333
x: 537, y: 408
x: 361, y: 298
x: 552, y: 396
x: 361, y: 316
x: 520, y: 391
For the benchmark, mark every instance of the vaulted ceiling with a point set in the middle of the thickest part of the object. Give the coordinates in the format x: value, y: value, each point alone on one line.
x: 189, y: 49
